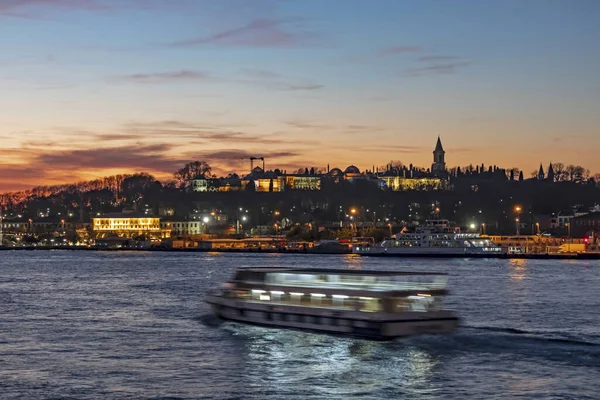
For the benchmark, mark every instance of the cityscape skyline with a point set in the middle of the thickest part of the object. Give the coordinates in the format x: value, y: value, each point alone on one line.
x: 104, y: 86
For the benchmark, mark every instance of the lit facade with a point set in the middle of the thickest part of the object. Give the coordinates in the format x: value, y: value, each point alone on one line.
x: 303, y: 182
x: 183, y: 227
x: 199, y: 184
x: 401, y: 184
x: 126, y: 225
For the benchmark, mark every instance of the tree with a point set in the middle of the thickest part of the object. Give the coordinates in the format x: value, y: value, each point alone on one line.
x: 271, y: 186
x: 190, y: 171
x: 520, y: 176
x: 250, y: 187
x: 559, y: 172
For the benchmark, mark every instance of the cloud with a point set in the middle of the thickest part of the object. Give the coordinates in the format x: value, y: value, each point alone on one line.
x: 437, y: 58
x: 398, y: 50
x: 260, y: 32
x: 225, y: 155
x: 290, y: 87
x: 350, y: 129
x: 307, y: 125
x: 214, y: 134
x: 141, y: 157
x: 259, y: 73
x: 161, y: 77
x: 389, y: 149
x: 436, y: 69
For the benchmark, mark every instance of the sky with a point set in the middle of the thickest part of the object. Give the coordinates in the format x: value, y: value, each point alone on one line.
x: 90, y: 88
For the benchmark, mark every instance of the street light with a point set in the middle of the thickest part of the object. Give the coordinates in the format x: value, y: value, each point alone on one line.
x: 518, y: 211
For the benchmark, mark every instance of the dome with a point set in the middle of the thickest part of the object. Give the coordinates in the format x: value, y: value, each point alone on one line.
x: 352, y: 170
x: 336, y: 172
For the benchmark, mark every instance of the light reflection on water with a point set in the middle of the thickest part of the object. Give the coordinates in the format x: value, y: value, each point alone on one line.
x: 130, y: 325
x: 518, y: 268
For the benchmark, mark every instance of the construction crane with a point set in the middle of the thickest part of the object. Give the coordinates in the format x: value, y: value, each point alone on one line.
x: 252, y: 162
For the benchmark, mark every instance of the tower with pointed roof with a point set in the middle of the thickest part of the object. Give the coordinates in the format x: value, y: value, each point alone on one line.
x: 550, y: 173
x: 439, y: 158
x: 541, y: 174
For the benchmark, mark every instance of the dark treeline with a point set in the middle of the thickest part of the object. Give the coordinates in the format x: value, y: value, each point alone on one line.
x: 476, y: 196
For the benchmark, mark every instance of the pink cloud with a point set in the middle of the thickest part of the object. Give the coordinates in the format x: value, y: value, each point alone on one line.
x: 263, y: 32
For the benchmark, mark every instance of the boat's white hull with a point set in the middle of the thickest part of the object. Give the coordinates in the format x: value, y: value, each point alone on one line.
x: 434, y: 251
x: 379, y: 326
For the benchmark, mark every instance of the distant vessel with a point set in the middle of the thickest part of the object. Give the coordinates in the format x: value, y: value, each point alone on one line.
x: 436, y: 237
x: 377, y: 305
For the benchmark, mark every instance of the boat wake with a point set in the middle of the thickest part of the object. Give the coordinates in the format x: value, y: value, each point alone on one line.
x: 209, y: 320
x: 533, y: 335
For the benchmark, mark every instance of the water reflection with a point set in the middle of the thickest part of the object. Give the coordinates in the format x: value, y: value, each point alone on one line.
x: 281, y: 361
x: 353, y: 261
x: 518, y: 268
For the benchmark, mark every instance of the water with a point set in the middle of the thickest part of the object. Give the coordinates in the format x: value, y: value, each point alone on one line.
x: 85, y: 325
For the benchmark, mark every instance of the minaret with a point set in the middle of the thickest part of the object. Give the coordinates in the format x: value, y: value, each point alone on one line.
x: 541, y: 174
x: 439, y: 160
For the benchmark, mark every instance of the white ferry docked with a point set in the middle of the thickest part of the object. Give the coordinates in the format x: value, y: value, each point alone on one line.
x: 435, y: 238
x: 378, y: 305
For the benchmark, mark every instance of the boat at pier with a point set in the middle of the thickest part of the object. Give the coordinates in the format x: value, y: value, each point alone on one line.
x: 435, y: 238
x: 380, y: 305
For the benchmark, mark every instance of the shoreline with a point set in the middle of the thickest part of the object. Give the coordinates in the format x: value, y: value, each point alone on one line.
x: 542, y: 256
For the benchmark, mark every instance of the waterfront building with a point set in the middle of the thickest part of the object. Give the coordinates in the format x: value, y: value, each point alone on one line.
x: 586, y: 226
x: 174, y: 228
x: 126, y: 224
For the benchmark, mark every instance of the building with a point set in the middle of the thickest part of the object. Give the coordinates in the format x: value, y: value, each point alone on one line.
x: 439, y: 159
x: 587, y: 225
x: 303, y: 181
x: 174, y: 228
x: 199, y: 184
x: 126, y: 224
x: 401, y: 184
x: 264, y: 181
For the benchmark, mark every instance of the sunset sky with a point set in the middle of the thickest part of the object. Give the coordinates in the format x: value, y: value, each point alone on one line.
x: 95, y: 87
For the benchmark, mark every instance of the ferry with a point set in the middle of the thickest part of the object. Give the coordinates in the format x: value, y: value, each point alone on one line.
x: 435, y: 238
x: 378, y: 305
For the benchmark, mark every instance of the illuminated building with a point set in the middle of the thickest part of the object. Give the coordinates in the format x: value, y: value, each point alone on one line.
x: 126, y: 224
x: 401, y: 184
x: 303, y: 182
x: 182, y: 228
x: 199, y: 184
x: 268, y: 181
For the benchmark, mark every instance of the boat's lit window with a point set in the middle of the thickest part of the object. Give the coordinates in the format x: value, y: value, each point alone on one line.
x: 340, y: 296
x: 277, y: 292
x: 258, y: 291
x: 296, y: 294
x: 317, y: 295
x: 265, y: 297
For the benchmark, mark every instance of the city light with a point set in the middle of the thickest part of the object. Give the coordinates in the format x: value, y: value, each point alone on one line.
x: 205, y: 219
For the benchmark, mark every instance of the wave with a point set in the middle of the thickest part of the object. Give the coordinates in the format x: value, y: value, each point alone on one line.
x: 535, y: 335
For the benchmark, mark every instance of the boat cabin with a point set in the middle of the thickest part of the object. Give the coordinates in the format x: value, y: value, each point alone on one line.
x: 357, y: 290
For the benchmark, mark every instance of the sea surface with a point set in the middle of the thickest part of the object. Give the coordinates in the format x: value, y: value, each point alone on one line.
x: 133, y: 325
